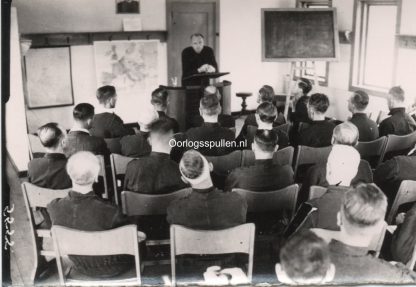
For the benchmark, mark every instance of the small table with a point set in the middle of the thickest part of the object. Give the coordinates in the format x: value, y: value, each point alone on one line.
x: 243, y: 96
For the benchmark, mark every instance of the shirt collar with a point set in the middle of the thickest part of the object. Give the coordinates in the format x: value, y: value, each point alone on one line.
x: 211, y: 124
x: 203, y: 190
x: 55, y: 155
x: 76, y: 194
x: 359, y: 115
x: 340, y: 248
x: 263, y: 162
x: 397, y: 111
x: 159, y: 154
x: 80, y: 130
x: 100, y: 110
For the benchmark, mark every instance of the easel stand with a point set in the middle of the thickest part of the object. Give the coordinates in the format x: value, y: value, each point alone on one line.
x: 293, y: 69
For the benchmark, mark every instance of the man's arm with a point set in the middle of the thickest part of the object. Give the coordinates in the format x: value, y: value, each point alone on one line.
x: 385, y: 128
x: 187, y: 66
x: 211, y: 59
x: 404, y: 238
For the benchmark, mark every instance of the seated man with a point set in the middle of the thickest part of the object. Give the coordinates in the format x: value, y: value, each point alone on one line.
x: 264, y: 175
x: 50, y: 171
x: 79, y: 138
x: 205, y: 207
x: 344, y: 134
x: 265, y: 116
x: 300, y: 101
x: 155, y: 173
x: 220, y: 140
x: 305, y: 260
x: 83, y: 210
x: 360, y: 217
x: 404, y: 238
x: 107, y: 124
x: 400, y: 123
x: 390, y: 174
x: 318, y: 132
x: 367, y: 128
x: 160, y: 101
x: 341, y: 168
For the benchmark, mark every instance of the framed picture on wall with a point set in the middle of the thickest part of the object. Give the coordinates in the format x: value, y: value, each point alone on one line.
x: 48, y: 77
x: 128, y: 6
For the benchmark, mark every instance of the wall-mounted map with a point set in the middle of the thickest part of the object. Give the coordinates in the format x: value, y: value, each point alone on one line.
x: 132, y: 68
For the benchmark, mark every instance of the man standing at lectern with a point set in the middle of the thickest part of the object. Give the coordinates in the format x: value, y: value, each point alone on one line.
x: 197, y: 59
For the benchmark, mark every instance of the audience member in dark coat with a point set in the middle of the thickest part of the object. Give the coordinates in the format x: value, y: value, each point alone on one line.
x: 399, y: 123
x: 211, y: 131
x: 342, y: 167
x: 156, y: 173
x: 160, y: 101
x: 318, y: 132
x: 79, y: 138
x: 135, y: 145
x: 404, y: 238
x: 264, y: 175
x: 107, y: 124
x: 205, y: 207
x: 50, y: 171
x: 300, y: 101
x: 83, y: 210
x: 367, y: 128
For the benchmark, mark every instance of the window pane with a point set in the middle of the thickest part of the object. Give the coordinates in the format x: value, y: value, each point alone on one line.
x: 379, y: 51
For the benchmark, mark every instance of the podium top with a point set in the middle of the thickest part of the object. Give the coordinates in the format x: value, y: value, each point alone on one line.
x: 201, y: 76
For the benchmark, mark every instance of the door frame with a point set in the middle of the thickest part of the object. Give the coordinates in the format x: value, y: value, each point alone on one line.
x: 216, y: 28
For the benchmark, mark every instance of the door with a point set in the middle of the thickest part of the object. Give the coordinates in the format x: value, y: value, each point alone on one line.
x: 185, y: 19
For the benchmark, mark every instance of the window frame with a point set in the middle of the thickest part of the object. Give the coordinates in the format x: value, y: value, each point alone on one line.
x: 359, y: 43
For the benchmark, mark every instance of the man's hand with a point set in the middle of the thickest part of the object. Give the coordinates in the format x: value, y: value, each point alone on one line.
x: 400, y: 218
x: 203, y: 68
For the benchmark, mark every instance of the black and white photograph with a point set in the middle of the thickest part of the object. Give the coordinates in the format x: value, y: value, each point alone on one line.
x: 208, y: 142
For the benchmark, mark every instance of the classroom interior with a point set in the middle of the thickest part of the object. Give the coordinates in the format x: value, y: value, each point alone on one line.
x: 387, y: 53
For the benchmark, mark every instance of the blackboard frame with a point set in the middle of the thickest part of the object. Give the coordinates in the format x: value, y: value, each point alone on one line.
x: 263, y: 38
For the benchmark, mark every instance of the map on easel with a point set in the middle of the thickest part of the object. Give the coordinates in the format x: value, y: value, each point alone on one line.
x: 132, y: 68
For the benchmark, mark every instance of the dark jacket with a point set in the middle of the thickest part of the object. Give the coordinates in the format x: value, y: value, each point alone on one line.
x: 81, y: 141
x: 226, y: 121
x: 90, y: 213
x: 316, y: 134
x: 301, y: 110
x: 367, y: 128
x: 263, y: 176
x: 210, y: 209
x: 404, y: 238
x: 109, y: 125
x: 400, y: 123
x: 49, y: 171
x: 163, y: 115
x: 192, y: 61
x: 354, y: 265
x: 135, y: 145
x: 153, y: 174
x: 212, y: 132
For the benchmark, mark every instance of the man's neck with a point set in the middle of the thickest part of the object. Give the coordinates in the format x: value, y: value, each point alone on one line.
x: 161, y: 109
x: 79, y: 126
x: 318, y: 117
x: 210, y: 119
x: 207, y: 183
x: 84, y: 189
x: 356, y: 241
x: 262, y: 155
x: 161, y: 148
x: 265, y: 126
x: 54, y: 150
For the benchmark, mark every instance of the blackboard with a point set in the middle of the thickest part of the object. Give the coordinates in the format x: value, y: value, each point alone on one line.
x: 299, y: 34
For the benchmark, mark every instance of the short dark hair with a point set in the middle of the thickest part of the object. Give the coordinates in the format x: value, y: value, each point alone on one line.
x: 319, y: 102
x: 210, y: 104
x: 197, y: 35
x: 105, y: 93
x: 83, y: 112
x: 160, y: 97
x: 49, y: 135
x: 266, y: 140
x: 267, y: 112
x: 192, y: 164
x: 305, y: 256
x: 397, y: 93
x: 305, y: 85
x: 161, y: 126
x: 360, y: 100
x: 266, y: 94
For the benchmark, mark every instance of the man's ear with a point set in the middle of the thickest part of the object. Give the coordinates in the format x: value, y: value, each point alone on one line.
x: 210, y: 166
x: 281, y: 275
x: 330, y: 274
x: 276, y: 147
x: 339, y: 220
x: 184, y: 179
x: 332, y: 140
x: 201, y: 112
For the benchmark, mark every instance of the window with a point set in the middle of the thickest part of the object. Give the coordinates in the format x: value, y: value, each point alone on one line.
x: 321, y: 67
x: 374, y: 49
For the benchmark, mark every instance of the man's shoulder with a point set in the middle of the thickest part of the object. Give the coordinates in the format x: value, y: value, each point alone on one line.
x: 187, y: 50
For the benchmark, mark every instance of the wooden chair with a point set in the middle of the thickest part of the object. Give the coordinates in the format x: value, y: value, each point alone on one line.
x: 238, y: 239
x: 281, y: 157
x: 118, y: 170
x: 113, y: 145
x: 316, y: 191
x: 121, y: 240
x: 310, y: 155
x: 225, y: 163
x: 103, y: 174
x: 276, y: 200
x: 372, y: 151
x: 35, y: 146
x: 35, y: 196
x: 405, y: 194
x: 397, y: 145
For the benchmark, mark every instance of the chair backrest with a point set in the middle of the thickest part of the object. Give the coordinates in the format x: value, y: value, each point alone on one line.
x: 149, y: 204
x: 284, y: 128
x: 371, y: 151
x: 238, y: 239
x: 251, y: 132
x: 103, y: 174
x: 281, y: 157
x: 113, y: 145
x: 118, y: 167
x: 276, y: 200
x: 225, y: 163
x: 405, y: 194
x: 121, y: 240
x: 35, y: 146
x: 316, y: 191
x: 310, y: 155
x: 35, y: 196
x: 398, y: 145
